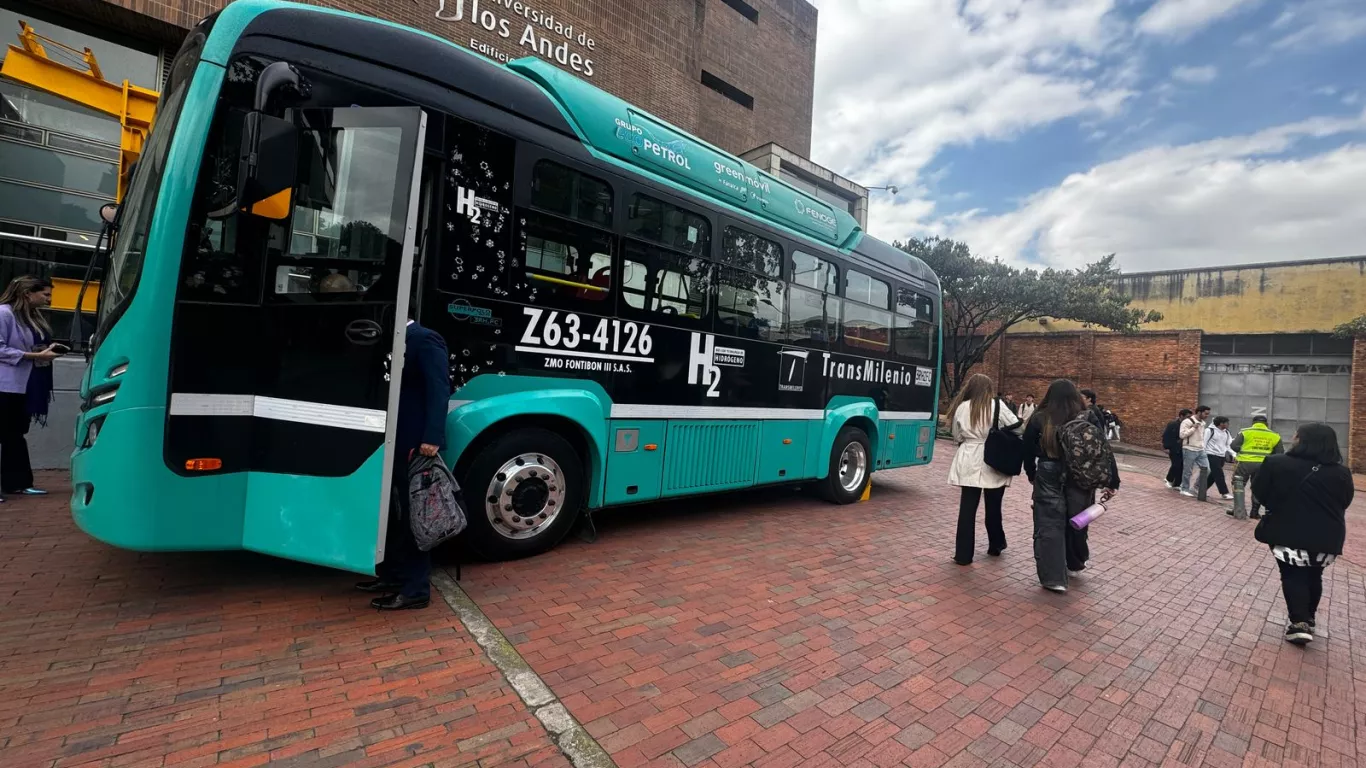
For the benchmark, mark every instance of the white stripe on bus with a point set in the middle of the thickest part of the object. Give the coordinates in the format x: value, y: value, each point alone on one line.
x: 589, y: 355
x: 277, y: 409
x: 628, y: 411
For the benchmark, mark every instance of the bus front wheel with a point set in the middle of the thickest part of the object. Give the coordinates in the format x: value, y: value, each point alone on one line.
x: 850, y: 463
x: 525, y: 490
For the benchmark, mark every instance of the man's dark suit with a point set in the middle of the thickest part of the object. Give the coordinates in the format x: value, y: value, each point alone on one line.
x: 422, y: 403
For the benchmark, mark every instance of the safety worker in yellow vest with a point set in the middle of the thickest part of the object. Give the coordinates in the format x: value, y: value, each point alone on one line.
x: 1253, y: 445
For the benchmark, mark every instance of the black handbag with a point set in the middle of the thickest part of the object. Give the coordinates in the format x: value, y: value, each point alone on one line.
x: 1004, y: 449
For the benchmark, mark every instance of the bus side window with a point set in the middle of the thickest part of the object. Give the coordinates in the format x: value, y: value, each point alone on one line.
x: 812, y: 318
x: 914, y: 339
x: 812, y: 272
x: 749, y: 305
x: 813, y: 303
x: 569, y: 193
x: 665, y: 286
x: 915, y: 334
x: 566, y: 264
x: 668, y: 225
x: 750, y: 252
x: 867, y: 323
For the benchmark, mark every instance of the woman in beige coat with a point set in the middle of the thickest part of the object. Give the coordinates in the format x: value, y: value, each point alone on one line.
x: 970, y: 419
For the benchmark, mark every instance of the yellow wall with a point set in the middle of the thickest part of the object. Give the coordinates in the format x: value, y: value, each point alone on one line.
x: 1281, y: 298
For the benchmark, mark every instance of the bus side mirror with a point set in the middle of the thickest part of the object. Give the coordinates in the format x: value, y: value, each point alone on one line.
x: 266, y: 166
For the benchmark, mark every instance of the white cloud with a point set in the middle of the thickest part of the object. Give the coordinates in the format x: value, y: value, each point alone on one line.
x: 1177, y: 18
x: 1319, y: 23
x: 1195, y: 75
x: 897, y: 82
x: 1230, y: 200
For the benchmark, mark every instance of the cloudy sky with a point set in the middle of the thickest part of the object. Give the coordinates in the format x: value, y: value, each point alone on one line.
x: 1175, y: 133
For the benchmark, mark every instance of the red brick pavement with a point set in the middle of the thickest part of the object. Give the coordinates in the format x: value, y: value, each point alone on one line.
x: 115, y: 658
x: 772, y: 630
x: 1355, y: 551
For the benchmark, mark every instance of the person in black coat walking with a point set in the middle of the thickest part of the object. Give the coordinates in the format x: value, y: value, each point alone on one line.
x: 1171, y: 441
x: 1059, y: 549
x: 424, y: 394
x: 1306, y: 492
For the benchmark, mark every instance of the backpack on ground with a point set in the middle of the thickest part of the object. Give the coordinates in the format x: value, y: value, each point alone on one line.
x: 1086, y: 453
x: 434, y: 510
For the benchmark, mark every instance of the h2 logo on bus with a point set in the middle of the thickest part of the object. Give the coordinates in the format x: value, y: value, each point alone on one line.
x: 561, y: 333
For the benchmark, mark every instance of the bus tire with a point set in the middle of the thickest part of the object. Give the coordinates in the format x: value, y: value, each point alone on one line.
x: 524, y: 490
x: 851, y: 461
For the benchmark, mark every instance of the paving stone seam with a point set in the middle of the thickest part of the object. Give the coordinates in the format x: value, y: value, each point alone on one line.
x: 569, y: 735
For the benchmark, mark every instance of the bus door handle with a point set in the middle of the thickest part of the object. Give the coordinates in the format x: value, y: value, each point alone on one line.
x: 364, y: 332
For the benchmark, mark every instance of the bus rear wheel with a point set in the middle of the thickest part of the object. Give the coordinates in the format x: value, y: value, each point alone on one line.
x: 850, y: 463
x: 525, y: 490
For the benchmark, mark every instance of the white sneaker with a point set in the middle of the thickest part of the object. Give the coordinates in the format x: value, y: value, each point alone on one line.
x: 1169, y: 485
x: 1059, y: 590
x: 1228, y: 497
x: 1185, y: 492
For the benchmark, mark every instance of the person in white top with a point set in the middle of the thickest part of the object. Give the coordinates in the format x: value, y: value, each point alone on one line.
x: 1027, y: 410
x: 1193, y: 448
x: 1218, y: 448
x: 970, y: 417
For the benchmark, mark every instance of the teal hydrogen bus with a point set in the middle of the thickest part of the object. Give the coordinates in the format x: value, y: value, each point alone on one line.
x: 632, y: 314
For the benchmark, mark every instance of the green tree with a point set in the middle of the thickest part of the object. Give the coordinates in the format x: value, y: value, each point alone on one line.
x: 1352, y: 329
x: 985, y: 298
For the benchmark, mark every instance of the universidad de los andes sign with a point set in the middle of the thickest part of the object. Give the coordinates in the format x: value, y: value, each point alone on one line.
x: 536, y: 30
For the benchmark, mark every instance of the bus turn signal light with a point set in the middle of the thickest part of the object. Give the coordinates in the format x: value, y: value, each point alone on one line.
x: 651, y: 447
x: 787, y: 441
x: 203, y: 465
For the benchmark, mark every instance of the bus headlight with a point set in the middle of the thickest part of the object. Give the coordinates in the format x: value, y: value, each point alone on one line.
x: 100, y: 398
x: 92, y: 431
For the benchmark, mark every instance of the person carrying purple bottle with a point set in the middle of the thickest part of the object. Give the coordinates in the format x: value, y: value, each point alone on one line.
x: 1059, y: 549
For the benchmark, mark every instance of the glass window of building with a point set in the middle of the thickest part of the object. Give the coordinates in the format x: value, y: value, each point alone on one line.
x: 59, y: 160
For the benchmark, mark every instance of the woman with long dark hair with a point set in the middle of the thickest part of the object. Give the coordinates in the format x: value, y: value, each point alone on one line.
x: 1306, y: 492
x: 25, y: 346
x: 1059, y: 549
x: 970, y: 419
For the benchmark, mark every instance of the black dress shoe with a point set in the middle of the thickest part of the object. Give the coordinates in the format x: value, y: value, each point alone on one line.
x: 379, y: 585
x: 399, y: 602
x: 996, y: 552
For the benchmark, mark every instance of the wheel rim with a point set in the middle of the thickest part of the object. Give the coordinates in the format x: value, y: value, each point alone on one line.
x: 853, y: 466
x: 525, y: 496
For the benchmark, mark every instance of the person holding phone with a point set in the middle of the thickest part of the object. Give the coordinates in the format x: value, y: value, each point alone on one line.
x: 26, y: 355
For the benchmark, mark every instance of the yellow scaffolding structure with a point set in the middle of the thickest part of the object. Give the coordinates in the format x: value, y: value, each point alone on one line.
x: 133, y: 106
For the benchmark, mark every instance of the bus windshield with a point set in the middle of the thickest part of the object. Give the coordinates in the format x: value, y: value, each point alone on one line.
x: 135, y: 214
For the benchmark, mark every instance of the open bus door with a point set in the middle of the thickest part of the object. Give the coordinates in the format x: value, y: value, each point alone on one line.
x: 324, y: 407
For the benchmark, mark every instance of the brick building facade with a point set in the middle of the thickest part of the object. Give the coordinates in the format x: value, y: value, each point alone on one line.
x: 1246, y: 340
x: 738, y: 73
x: 1145, y: 378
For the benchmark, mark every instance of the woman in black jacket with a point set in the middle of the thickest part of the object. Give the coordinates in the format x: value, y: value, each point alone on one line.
x: 1306, y: 492
x: 1059, y: 549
